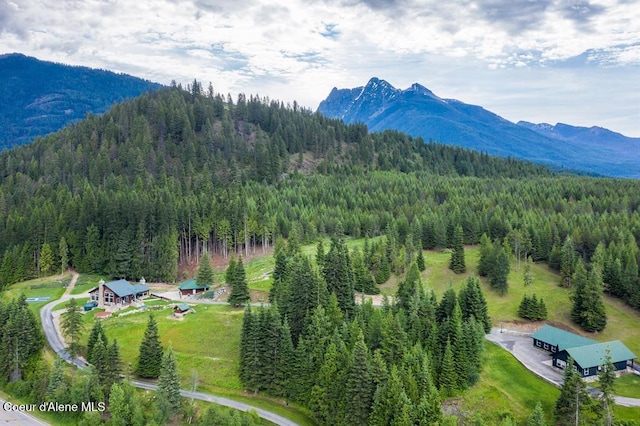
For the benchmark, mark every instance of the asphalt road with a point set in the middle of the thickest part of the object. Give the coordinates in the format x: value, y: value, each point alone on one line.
x: 267, y: 415
x: 539, y: 361
x: 8, y: 416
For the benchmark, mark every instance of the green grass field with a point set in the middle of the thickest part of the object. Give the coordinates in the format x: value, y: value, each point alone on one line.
x: 86, y: 282
x: 506, y: 387
x: 627, y: 385
x: 206, y: 344
x: 52, y: 287
x: 623, y: 322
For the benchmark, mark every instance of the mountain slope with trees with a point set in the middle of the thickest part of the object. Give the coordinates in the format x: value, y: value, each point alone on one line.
x: 40, y: 97
x: 154, y: 181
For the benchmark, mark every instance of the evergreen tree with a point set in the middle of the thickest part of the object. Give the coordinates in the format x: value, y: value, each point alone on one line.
x: 118, y: 407
x: 46, y: 259
x: 63, y: 252
x: 408, y: 288
x: 169, y: 383
x: 338, y: 275
x: 537, y: 417
x: 499, y: 271
x: 97, y: 333
x: 420, y: 261
x: 239, y: 288
x: 588, y: 309
x: 447, y: 378
x: 607, y: 378
x: 72, y: 327
x: 474, y: 304
x: 568, y: 262
x: 359, y: 391
x: 58, y: 387
x: 150, y: 355
x: 457, y: 263
x: 573, y: 400
x: 486, y: 253
x: 204, y: 276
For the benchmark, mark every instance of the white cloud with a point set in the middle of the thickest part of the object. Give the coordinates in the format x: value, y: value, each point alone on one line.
x: 300, y: 49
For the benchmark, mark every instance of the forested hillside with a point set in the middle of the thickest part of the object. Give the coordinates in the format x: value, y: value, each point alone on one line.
x: 39, y: 97
x: 155, y: 180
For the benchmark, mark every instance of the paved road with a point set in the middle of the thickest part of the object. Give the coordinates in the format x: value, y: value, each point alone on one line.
x: 56, y: 342
x: 539, y: 361
x: 267, y: 415
x: 19, y: 418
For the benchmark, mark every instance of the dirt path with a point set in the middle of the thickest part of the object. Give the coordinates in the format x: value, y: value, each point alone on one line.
x: 72, y: 284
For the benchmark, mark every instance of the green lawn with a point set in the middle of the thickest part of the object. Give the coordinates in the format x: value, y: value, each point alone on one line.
x: 206, y: 343
x: 52, y: 287
x: 86, y: 282
x: 506, y: 387
x: 627, y: 385
x: 623, y: 322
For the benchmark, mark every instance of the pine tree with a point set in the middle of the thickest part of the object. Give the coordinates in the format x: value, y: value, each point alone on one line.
x: 537, y: 417
x: 447, y: 378
x: 169, y: 383
x: 63, y: 252
x: 118, y: 407
x: 420, y: 260
x: 473, y: 303
x: 97, y: 333
x: 486, y: 253
x: 72, y: 327
x: 204, y: 276
x: 338, y: 275
x: 359, y: 391
x: 150, y: 356
x: 499, y: 271
x: 568, y: 262
x: 588, y: 309
x: 607, y: 378
x: 46, y: 259
x: 239, y: 287
x: 573, y: 400
x: 457, y: 263
x: 57, y: 388
x: 408, y: 288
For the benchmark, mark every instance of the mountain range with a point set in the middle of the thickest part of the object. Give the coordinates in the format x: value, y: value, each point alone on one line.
x: 419, y: 112
x: 39, y: 97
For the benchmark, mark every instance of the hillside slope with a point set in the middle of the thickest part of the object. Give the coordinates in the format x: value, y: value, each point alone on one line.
x: 39, y: 97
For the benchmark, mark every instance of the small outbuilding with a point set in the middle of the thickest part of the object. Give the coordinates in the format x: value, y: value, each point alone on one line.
x: 191, y: 287
x: 554, y: 339
x: 181, y: 309
x: 589, y: 359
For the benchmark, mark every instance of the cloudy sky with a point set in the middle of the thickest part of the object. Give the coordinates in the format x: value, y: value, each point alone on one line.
x: 571, y: 61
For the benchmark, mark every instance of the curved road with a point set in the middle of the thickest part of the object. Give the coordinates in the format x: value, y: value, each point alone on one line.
x: 519, y: 345
x: 56, y: 342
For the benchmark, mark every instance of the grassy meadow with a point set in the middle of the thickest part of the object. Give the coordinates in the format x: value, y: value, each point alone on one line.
x: 52, y: 287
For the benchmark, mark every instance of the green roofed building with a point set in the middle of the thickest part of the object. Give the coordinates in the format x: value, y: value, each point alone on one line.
x: 554, y: 340
x: 588, y: 359
x: 191, y: 287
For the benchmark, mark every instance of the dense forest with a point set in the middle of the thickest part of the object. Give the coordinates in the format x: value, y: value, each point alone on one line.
x: 354, y: 364
x: 155, y: 181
